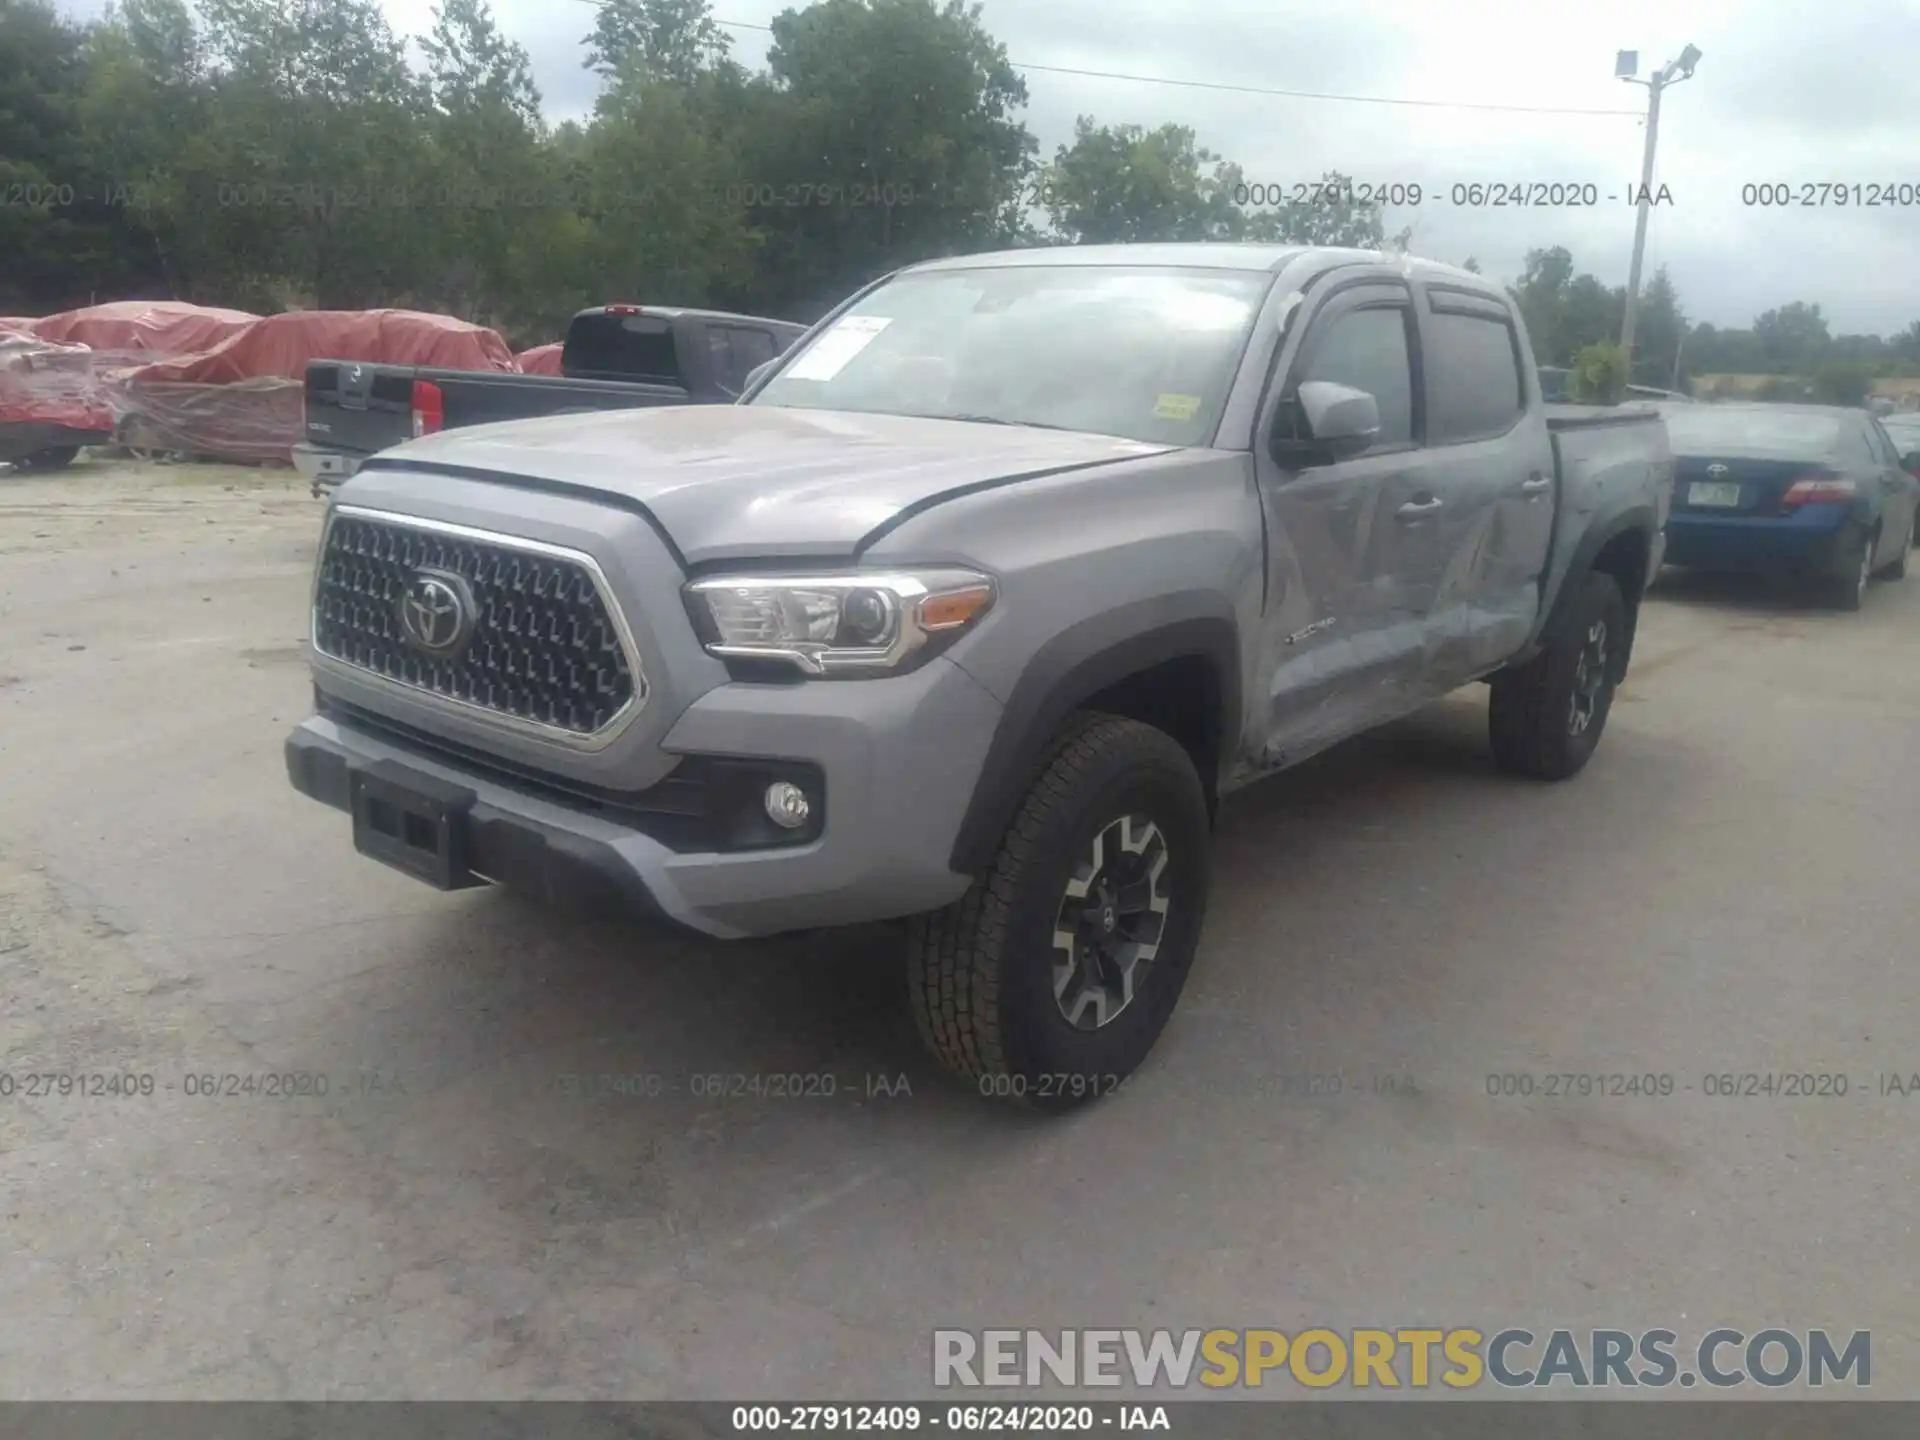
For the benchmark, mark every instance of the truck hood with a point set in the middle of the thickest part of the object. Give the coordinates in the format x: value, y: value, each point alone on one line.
x: 727, y: 481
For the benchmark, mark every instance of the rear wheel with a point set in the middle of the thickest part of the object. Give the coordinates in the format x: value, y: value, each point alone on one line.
x: 1545, y: 718
x: 1049, y: 981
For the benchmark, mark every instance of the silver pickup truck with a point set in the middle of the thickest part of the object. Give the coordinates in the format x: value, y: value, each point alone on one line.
x: 971, y: 611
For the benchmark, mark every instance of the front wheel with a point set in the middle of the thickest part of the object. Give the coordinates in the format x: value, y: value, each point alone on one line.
x: 54, y: 457
x: 1049, y: 981
x: 1545, y: 718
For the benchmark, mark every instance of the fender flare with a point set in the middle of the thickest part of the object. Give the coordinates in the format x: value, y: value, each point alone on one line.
x: 1597, y: 537
x: 1077, y: 664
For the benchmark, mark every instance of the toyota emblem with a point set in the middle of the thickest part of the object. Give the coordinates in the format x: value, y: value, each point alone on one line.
x: 437, y: 612
x: 1716, y: 469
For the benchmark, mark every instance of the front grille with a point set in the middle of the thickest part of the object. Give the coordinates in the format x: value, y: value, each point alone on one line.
x: 544, y: 649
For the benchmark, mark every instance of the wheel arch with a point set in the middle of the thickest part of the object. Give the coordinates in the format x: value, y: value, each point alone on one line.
x: 1173, y: 663
x: 1620, y: 547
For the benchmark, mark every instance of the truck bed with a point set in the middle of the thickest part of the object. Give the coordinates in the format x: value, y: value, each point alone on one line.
x: 1600, y: 454
x: 362, y: 409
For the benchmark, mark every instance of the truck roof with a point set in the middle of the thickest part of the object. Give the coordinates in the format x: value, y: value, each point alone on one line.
x: 1215, y: 255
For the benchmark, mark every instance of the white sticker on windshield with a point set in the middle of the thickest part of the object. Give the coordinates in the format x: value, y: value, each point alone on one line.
x: 829, y: 355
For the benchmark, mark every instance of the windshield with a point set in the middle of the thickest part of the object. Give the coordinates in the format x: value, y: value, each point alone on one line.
x: 1144, y: 353
x: 1702, y: 428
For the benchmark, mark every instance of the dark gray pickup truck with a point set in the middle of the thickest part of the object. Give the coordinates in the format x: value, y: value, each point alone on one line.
x: 615, y: 357
x: 972, y: 611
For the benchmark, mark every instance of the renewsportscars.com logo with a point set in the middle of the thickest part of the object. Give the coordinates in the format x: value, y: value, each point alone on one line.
x: 1458, y: 1358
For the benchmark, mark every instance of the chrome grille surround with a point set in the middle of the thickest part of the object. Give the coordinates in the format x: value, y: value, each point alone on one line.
x: 551, y: 656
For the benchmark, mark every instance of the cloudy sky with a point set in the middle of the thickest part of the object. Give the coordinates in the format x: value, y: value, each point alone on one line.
x: 1786, y: 93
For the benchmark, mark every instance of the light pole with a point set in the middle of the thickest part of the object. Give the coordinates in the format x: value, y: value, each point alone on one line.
x: 1678, y: 351
x: 1671, y: 73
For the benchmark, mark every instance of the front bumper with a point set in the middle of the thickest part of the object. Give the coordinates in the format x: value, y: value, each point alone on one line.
x: 897, y: 761
x: 1814, y: 540
x: 324, y: 468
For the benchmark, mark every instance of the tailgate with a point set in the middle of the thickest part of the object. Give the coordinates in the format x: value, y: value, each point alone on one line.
x: 359, y: 408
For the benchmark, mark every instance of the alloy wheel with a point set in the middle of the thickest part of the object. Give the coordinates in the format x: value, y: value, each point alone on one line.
x: 1110, y: 922
x: 1589, y: 679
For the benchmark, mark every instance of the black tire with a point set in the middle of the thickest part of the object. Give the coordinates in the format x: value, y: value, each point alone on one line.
x: 1846, y: 588
x: 1533, y: 715
x: 54, y: 457
x: 981, y: 973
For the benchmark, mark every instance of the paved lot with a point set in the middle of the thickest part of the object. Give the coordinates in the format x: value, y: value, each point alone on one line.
x: 1730, y: 887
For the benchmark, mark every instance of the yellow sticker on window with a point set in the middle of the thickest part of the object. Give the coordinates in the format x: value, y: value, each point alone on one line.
x: 1177, y: 407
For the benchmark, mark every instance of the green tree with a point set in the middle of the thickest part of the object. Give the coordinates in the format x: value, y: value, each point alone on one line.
x: 1541, y: 295
x: 1728, y: 352
x: 334, y: 50
x: 1590, y: 313
x: 471, y: 66
x: 1117, y: 184
x: 1843, y: 382
x: 1331, y: 217
x: 1600, y: 373
x: 301, y: 183
x: 673, y: 42
x: 1793, y: 338
x: 61, y: 237
x: 1659, y: 325
x: 499, y: 206
x: 653, y: 186
x: 164, y: 39
x: 893, y: 136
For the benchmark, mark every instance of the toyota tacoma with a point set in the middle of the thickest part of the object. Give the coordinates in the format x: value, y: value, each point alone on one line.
x: 971, y: 612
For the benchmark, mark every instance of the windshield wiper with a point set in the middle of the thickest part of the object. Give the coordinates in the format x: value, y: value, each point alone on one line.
x: 997, y: 420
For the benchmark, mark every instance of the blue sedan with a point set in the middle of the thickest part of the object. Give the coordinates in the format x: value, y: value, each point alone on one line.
x: 1802, y: 491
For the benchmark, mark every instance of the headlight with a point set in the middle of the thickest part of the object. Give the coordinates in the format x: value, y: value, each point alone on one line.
x: 849, y: 624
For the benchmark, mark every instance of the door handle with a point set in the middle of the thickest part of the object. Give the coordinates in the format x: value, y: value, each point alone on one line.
x: 1417, y: 509
x: 1535, y: 485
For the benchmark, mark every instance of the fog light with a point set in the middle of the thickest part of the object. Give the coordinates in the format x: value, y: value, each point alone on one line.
x: 787, y: 805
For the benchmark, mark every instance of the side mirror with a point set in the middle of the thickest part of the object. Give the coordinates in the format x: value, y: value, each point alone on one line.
x: 1338, y: 422
x: 753, y: 375
x: 1910, y: 462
